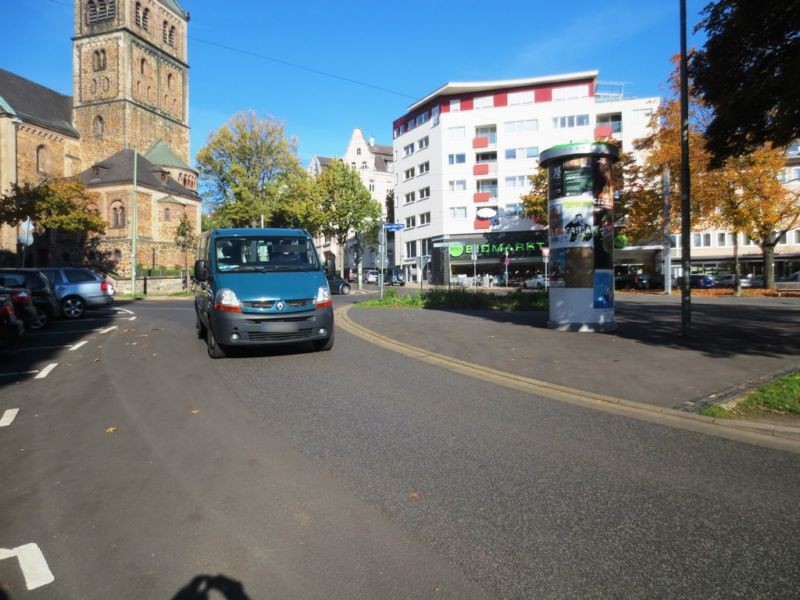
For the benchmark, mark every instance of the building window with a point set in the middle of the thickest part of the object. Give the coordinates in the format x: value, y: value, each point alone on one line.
x: 427, y: 246
x: 458, y: 185
x: 424, y: 167
x: 170, y: 80
x: 99, y: 60
x: 424, y: 193
x: 146, y: 19
x: 171, y: 36
x: 422, y: 118
x: 425, y: 218
x: 143, y: 67
x: 613, y: 121
x: 570, y: 92
x: 371, y: 185
x: 410, y: 197
x: 483, y: 102
x: 411, y: 222
x: 408, y: 150
x: 455, y: 105
x: 458, y: 213
x: 117, y: 219
x: 100, y: 10
x: 568, y: 121
x: 783, y: 240
x: 487, y: 131
x: 517, y: 181
x: 515, y: 98
x: 701, y: 240
x: 423, y: 143
x: 167, y: 216
x: 456, y: 133
x: 797, y: 236
x: 138, y: 14
x: 411, y: 249
x: 42, y: 160
x: 409, y: 173
x: 358, y: 151
x: 98, y: 127
x: 165, y: 32
x: 520, y: 126
x: 456, y: 159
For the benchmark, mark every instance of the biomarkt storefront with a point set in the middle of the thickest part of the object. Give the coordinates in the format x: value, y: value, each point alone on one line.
x: 459, y: 258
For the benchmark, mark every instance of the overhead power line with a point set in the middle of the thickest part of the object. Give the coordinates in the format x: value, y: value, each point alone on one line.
x: 279, y: 61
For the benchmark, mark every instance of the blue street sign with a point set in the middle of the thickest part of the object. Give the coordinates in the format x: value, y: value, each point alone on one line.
x: 394, y: 226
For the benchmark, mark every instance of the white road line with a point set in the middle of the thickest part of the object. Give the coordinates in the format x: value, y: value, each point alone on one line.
x: 32, y: 564
x: 78, y: 345
x: 132, y: 319
x: 46, y: 371
x: 130, y: 312
x: 8, y: 417
x: 107, y: 329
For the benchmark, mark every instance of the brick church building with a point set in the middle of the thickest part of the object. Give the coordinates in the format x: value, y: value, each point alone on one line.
x: 129, y: 114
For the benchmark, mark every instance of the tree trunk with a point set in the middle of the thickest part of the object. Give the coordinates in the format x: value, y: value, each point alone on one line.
x: 768, y: 252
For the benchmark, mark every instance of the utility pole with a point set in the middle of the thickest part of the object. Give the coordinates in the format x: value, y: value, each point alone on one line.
x: 686, y: 228
x: 134, y: 222
x: 667, y: 246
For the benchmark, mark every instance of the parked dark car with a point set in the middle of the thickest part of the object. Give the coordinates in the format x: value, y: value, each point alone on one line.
x: 24, y: 309
x: 44, y: 298
x: 79, y: 288
x: 338, y: 285
x: 10, y: 326
x: 698, y: 281
x: 394, y: 277
x: 631, y: 281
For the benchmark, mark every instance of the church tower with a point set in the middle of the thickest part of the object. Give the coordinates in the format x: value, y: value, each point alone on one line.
x: 130, y: 77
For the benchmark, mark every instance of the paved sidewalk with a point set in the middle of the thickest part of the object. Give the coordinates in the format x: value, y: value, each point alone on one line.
x: 735, y: 343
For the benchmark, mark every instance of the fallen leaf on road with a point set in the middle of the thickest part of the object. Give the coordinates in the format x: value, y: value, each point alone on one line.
x: 96, y: 360
x: 195, y: 412
x: 111, y: 429
x: 414, y: 496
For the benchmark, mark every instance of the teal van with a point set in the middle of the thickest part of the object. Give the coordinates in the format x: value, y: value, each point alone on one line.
x: 259, y: 287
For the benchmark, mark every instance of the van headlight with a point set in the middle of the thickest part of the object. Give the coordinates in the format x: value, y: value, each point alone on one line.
x: 324, y: 297
x: 225, y: 300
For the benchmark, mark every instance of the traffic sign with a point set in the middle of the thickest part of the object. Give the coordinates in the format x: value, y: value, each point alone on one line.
x: 394, y: 226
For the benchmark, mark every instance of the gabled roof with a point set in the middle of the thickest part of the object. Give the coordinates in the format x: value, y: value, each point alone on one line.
x: 175, y: 6
x: 118, y: 169
x: 162, y: 155
x: 381, y: 149
x: 36, y: 104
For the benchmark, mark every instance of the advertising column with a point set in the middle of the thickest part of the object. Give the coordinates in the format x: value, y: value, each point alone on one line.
x: 581, y: 235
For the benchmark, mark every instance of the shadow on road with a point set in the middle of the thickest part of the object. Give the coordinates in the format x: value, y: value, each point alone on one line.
x: 200, y: 587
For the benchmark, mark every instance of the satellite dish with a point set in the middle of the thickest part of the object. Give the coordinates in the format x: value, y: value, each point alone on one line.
x: 486, y: 213
x: 25, y: 235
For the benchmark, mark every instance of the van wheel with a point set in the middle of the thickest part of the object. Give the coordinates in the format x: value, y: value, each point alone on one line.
x: 215, y: 350
x: 323, y: 345
x: 199, y: 327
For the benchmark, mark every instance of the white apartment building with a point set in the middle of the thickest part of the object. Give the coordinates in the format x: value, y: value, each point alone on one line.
x: 463, y: 155
x: 374, y: 164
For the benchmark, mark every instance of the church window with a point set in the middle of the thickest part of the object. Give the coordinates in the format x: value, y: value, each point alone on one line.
x: 99, y: 60
x: 117, y: 219
x: 91, y: 11
x: 93, y: 86
x: 143, y: 67
x: 98, y: 127
x: 167, y: 216
x: 106, y: 84
x: 358, y: 151
x: 165, y: 32
x: 117, y: 255
x: 146, y: 19
x: 42, y: 160
x: 171, y: 36
x: 100, y: 10
x: 170, y: 81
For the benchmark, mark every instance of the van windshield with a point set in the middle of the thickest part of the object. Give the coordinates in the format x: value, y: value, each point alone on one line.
x: 265, y: 254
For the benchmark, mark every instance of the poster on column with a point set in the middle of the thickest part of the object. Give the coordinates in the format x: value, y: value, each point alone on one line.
x: 571, y: 241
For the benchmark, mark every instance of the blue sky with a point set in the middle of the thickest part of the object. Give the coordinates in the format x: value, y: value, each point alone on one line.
x: 400, y: 50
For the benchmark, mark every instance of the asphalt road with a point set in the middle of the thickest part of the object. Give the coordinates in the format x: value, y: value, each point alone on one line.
x: 138, y: 464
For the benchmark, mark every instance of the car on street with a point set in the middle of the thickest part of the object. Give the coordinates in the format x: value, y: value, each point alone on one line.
x: 338, y: 285
x: 79, y: 288
x: 10, y: 326
x: 370, y: 276
x: 698, y: 281
x: 44, y: 299
x: 24, y: 308
x: 394, y: 276
x: 537, y: 282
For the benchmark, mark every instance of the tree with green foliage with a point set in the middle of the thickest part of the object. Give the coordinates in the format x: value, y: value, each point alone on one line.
x: 185, y: 238
x: 59, y: 204
x: 347, y: 205
x: 242, y: 168
x: 747, y: 73
x: 298, y: 204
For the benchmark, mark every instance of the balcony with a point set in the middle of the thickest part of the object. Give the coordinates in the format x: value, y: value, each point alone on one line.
x: 483, y: 223
x: 602, y: 132
x: 481, y: 196
x: 480, y: 142
x: 485, y: 169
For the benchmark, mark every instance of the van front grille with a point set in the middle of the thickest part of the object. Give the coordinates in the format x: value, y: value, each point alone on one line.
x: 263, y: 336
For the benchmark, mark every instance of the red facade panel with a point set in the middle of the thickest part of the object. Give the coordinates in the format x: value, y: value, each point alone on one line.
x: 480, y: 169
x: 602, y: 131
x: 544, y: 95
x: 501, y: 99
x: 467, y: 104
x: 482, y: 223
x: 481, y: 196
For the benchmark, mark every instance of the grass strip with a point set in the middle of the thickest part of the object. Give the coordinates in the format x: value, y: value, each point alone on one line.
x: 781, y: 396
x: 460, y: 299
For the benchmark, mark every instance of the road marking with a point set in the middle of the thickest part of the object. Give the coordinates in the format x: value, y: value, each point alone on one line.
x: 78, y: 345
x: 46, y: 371
x: 8, y: 417
x: 751, y: 433
x: 32, y: 564
x: 130, y: 312
x: 132, y: 319
x: 107, y: 329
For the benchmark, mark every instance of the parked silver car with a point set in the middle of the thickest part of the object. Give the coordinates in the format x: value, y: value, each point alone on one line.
x: 78, y: 288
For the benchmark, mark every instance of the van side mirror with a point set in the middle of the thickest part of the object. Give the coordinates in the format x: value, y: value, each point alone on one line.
x: 200, y: 270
